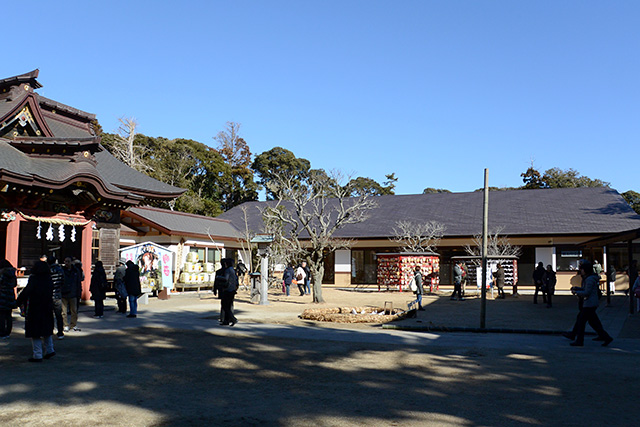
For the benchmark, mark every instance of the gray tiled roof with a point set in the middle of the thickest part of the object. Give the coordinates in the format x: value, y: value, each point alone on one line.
x: 59, y: 106
x: 69, y: 123
x: 184, y: 223
x: 562, y: 211
x: 117, y: 177
x: 65, y: 130
x: 128, y: 178
x: 6, y: 106
x: 49, y: 170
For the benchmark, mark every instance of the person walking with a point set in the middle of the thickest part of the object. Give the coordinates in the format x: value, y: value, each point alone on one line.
x: 8, y: 283
x: 307, y: 278
x: 589, y: 291
x: 611, y: 278
x: 457, y: 281
x: 121, y: 289
x: 71, y: 290
x: 57, y: 277
x: 301, y: 276
x: 36, y: 297
x: 219, y: 284
x: 417, y: 277
x: 597, y: 267
x: 498, y: 280
x: 241, y: 273
x: 538, y: 276
x: 228, y: 293
x: 632, y: 272
x: 98, y: 289
x: 134, y: 289
x: 550, y: 281
x: 287, y: 278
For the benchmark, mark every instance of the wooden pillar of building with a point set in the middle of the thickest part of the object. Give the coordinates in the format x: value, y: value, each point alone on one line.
x: 85, y: 258
x: 13, y: 241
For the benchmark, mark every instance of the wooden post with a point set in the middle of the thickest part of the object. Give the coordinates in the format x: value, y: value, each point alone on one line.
x: 485, y: 232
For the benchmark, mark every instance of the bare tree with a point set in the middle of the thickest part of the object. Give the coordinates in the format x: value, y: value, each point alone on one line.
x: 497, y: 245
x: 418, y: 236
x: 123, y: 145
x: 247, y: 236
x: 309, y: 212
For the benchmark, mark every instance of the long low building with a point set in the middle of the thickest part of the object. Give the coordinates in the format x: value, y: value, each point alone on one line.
x: 552, y: 226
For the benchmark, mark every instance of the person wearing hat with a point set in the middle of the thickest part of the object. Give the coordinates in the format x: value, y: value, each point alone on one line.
x: 121, y: 290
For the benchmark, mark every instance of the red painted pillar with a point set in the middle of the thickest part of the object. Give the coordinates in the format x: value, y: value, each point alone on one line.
x: 85, y: 258
x: 13, y: 239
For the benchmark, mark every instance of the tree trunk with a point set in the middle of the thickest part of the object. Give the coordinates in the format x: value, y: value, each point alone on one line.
x: 317, y: 274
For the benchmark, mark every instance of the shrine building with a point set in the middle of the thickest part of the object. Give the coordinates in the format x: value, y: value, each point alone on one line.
x: 61, y: 191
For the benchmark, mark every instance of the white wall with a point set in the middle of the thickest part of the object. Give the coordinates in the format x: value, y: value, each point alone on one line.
x: 546, y: 256
x: 343, y: 261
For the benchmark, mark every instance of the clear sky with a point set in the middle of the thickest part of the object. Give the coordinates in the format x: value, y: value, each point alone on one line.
x: 434, y: 91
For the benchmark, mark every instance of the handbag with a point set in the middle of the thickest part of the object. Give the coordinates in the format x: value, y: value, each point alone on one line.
x: 412, y: 285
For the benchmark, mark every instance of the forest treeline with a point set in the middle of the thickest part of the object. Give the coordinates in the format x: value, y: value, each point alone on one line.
x: 222, y: 176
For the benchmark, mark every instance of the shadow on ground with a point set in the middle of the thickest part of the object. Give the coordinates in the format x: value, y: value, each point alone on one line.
x: 164, y: 375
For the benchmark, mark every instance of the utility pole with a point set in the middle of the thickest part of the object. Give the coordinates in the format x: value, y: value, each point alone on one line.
x: 485, y: 232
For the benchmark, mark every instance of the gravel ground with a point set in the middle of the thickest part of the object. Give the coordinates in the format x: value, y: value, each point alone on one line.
x: 175, y: 366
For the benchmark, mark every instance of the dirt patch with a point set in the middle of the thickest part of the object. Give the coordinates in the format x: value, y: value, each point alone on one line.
x: 353, y: 314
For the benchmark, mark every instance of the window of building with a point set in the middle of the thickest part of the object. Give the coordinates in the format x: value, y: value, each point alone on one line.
x: 329, y: 268
x: 568, y: 258
x: 618, y: 255
x: 233, y: 254
x: 214, y: 255
x: 199, y: 251
x: 95, y: 246
x: 363, y: 266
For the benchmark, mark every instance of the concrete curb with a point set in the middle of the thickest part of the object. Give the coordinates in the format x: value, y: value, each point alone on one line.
x: 418, y: 328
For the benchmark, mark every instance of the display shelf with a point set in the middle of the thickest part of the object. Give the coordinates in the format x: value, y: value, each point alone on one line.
x: 395, y: 270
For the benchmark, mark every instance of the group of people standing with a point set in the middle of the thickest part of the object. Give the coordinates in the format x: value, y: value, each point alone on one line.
x: 127, y: 286
x: 545, y: 282
x: 301, y: 276
x: 51, y: 298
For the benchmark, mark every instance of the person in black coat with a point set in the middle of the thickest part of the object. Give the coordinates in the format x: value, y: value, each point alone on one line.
x: 57, y: 276
x: 98, y: 289
x: 550, y: 281
x: 134, y: 289
x: 228, y: 293
x: 8, y: 283
x: 287, y: 278
x: 71, y: 292
x: 37, y: 298
x: 538, y: 281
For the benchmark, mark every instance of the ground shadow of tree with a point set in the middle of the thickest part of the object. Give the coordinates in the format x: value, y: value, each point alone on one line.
x: 198, y: 377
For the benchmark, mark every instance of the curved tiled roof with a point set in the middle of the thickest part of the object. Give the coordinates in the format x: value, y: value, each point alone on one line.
x: 18, y: 167
x: 122, y: 176
x: 57, y: 125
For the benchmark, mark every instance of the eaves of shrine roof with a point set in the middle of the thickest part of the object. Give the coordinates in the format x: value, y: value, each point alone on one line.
x: 19, y: 168
x: 127, y: 178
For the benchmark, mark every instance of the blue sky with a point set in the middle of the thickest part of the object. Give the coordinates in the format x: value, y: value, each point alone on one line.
x: 434, y: 91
